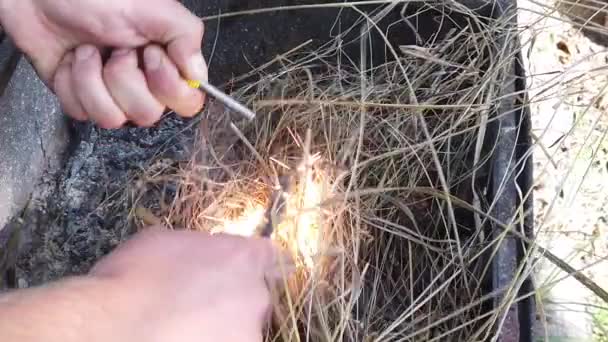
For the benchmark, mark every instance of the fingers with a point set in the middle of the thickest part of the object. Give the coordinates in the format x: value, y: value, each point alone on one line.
x: 112, y: 94
x: 262, y: 258
x: 119, y: 91
x: 257, y: 261
x: 172, y: 25
x: 66, y: 92
x: 91, y: 90
x: 129, y: 89
x: 166, y: 83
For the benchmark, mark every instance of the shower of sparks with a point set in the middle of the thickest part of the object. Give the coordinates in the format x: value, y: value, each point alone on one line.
x: 245, y: 224
x: 300, y: 230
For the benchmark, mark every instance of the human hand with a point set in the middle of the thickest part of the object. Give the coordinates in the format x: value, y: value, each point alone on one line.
x: 190, y: 286
x: 65, y: 40
x: 158, y: 286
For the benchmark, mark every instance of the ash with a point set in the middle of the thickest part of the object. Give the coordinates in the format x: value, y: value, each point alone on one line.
x: 81, y: 212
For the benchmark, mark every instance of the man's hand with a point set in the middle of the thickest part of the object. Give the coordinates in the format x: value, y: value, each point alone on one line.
x: 159, y: 286
x: 90, y: 53
x: 196, y: 287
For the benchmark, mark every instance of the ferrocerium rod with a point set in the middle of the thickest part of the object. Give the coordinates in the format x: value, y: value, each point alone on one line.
x: 224, y: 98
x: 276, y: 208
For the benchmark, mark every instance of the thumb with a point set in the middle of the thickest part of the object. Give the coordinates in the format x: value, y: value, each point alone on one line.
x: 169, y: 23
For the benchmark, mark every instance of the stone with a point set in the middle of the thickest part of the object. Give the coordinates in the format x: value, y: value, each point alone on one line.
x: 33, y: 135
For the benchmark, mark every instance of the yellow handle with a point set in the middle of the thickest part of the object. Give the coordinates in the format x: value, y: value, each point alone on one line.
x: 194, y: 84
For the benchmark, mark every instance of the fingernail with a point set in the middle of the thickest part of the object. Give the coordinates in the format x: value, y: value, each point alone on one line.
x: 152, y: 58
x: 85, y: 52
x: 198, y: 68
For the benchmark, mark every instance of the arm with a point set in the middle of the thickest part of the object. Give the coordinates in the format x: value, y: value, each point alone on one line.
x: 75, y: 309
x: 159, y: 286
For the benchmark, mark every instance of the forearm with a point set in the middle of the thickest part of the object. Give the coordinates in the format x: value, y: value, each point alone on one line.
x: 76, y: 309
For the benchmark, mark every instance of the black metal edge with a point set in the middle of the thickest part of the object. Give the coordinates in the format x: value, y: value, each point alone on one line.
x: 512, y: 166
x: 525, y: 180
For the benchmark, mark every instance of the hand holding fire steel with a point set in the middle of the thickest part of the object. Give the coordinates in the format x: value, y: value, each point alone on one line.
x: 66, y: 39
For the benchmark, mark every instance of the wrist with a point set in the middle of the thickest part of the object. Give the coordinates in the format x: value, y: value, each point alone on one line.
x: 76, y: 309
x: 113, y: 312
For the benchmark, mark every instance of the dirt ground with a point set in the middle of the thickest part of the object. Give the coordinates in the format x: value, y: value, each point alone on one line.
x: 568, y: 85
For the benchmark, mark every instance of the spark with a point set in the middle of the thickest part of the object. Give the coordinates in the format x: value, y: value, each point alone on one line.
x: 301, y: 229
x: 245, y: 224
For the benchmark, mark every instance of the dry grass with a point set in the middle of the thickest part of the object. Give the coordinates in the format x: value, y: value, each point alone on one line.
x: 388, y: 167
